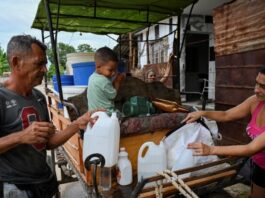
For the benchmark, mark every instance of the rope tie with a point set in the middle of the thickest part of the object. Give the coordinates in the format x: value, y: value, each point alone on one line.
x: 177, y: 182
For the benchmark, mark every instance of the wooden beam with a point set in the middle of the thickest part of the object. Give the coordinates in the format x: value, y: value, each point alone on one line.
x: 199, y: 182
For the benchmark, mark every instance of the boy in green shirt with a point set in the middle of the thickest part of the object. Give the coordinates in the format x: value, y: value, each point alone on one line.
x: 101, y: 90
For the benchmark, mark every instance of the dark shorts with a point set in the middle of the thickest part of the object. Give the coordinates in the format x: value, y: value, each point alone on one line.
x: 258, y: 175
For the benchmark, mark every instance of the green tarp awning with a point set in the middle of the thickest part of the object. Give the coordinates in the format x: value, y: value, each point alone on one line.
x: 107, y: 16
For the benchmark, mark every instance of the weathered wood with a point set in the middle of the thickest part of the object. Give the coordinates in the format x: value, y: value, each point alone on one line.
x: 199, y: 182
x: 239, y: 27
x: 240, y: 46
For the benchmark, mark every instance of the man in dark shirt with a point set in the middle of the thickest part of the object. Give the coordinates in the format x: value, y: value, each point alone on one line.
x: 25, y: 130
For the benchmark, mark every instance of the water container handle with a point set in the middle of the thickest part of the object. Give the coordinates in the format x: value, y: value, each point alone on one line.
x: 100, y: 115
x: 146, y: 144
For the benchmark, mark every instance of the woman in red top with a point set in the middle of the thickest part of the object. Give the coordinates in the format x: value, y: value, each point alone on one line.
x: 255, y: 106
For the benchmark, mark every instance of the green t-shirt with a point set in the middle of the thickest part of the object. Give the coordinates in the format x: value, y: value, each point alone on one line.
x: 100, y: 93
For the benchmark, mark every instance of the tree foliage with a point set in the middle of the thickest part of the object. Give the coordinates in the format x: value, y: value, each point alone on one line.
x: 85, y: 48
x: 4, y: 67
x: 52, y: 72
x: 62, y: 50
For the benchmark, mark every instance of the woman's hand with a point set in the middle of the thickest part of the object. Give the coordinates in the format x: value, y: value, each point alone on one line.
x: 200, y: 148
x: 192, y: 117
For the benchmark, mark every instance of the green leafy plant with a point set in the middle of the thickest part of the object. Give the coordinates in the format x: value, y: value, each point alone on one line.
x: 51, y: 71
x: 62, y: 50
x: 85, y: 48
x: 4, y: 67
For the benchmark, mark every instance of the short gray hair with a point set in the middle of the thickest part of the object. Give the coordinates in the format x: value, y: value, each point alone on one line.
x: 22, y: 44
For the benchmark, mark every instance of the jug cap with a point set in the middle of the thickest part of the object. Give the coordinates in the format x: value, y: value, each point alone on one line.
x: 123, y: 152
x: 114, y: 114
x: 122, y: 149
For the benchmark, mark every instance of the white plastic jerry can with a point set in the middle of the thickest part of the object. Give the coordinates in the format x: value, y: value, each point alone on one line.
x: 103, y: 138
x: 153, y: 161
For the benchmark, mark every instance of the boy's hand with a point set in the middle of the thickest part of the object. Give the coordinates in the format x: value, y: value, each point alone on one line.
x: 118, y: 80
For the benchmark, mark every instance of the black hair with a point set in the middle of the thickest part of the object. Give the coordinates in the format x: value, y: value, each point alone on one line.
x: 22, y: 44
x: 262, y: 69
x: 105, y: 54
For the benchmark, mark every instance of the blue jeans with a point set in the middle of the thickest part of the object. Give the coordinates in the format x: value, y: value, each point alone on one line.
x: 11, y: 191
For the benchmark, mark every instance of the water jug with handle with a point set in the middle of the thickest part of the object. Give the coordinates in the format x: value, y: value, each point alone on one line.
x: 124, y: 168
x: 103, y: 138
x: 153, y: 161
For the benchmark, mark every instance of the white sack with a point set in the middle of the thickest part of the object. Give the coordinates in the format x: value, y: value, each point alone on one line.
x: 178, y: 156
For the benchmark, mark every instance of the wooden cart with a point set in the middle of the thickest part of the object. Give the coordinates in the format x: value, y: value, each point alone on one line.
x: 209, y: 180
x: 120, y: 17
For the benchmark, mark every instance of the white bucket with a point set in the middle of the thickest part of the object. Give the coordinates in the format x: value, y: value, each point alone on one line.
x: 79, y: 57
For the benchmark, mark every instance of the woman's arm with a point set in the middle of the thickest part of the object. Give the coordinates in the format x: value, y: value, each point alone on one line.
x: 234, y: 113
x: 168, y: 68
x: 255, y: 146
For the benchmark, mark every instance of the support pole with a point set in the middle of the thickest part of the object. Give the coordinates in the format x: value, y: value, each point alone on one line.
x: 120, y: 43
x: 45, y: 76
x: 186, y: 28
x: 48, y: 13
x: 130, y: 51
x: 176, y: 63
x: 147, y: 45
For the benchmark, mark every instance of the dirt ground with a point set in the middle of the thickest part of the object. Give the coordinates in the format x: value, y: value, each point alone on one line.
x: 235, y: 191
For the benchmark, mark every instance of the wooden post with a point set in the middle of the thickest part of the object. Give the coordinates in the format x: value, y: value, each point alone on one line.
x: 130, y: 51
x: 133, y: 57
x: 147, y: 45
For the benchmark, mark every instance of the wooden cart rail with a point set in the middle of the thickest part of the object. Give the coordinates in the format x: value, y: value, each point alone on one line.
x: 204, y: 179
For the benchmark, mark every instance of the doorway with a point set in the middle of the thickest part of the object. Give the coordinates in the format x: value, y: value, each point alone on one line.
x: 197, y: 63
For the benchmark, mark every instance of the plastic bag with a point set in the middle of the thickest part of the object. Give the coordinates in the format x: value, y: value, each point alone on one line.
x: 212, y: 126
x: 178, y: 156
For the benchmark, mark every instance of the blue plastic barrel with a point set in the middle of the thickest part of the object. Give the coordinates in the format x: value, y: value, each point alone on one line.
x: 121, y: 67
x: 82, y: 71
x: 65, y: 80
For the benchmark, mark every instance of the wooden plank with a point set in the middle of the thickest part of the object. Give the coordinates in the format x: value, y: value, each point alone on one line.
x: 199, y: 182
x: 59, y: 115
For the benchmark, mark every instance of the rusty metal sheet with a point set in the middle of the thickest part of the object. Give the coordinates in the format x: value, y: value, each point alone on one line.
x: 233, y: 132
x: 235, y: 79
x: 231, y: 96
x: 243, y: 59
x: 239, y: 26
